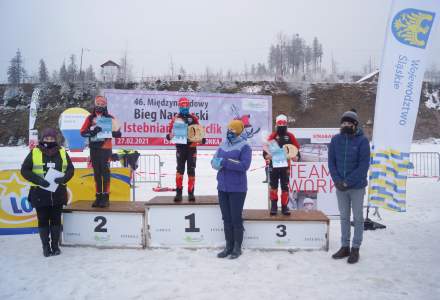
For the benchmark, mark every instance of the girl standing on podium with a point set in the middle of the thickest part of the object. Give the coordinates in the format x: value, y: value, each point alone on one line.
x: 48, y: 154
x: 232, y: 160
x: 100, y: 150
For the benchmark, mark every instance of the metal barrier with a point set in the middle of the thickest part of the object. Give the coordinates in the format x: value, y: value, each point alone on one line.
x: 149, y: 169
x: 424, y: 164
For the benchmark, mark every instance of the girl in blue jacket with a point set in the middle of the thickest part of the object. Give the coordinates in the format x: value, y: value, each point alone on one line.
x: 232, y: 160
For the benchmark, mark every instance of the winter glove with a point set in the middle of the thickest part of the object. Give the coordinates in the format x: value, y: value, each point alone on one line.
x: 44, y: 183
x: 216, y: 163
x: 342, y: 186
x: 59, y: 180
x: 114, y: 157
x: 203, y: 140
x: 116, y: 134
x: 96, y: 130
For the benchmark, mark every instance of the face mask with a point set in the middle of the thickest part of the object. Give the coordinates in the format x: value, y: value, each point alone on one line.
x: 99, y: 109
x: 230, y: 135
x: 347, y: 130
x: 184, y: 110
x: 282, y: 130
x: 49, y: 145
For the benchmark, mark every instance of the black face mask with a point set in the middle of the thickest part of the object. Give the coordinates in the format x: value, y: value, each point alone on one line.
x: 282, y: 130
x: 100, y: 109
x: 49, y: 145
x: 347, y: 130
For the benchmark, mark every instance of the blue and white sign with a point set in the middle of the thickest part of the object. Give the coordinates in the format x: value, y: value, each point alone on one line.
x: 410, y: 31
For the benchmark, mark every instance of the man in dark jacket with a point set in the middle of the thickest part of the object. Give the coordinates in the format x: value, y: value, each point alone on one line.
x: 348, y: 161
x: 48, y: 154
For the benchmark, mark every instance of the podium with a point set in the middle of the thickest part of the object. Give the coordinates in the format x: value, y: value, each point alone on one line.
x: 302, y: 230
x: 184, y: 224
x: 122, y: 225
x: 163, y: 223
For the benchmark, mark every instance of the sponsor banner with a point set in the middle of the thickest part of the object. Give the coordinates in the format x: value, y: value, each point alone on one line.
x: 17, y: 215
x: 33, y: 107
x: 310, y: 183
x: 144, y: 116
x: 70, y: 123
x: 316, y: 135
x: 409, y: 34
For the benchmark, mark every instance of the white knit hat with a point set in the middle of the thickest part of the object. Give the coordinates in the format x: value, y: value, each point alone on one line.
x: 281, y: 120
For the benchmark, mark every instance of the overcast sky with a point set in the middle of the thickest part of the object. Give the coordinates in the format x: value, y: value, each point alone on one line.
x: 220, y: 34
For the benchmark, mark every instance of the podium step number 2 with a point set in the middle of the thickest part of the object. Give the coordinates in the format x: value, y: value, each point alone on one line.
x: 104, y: 228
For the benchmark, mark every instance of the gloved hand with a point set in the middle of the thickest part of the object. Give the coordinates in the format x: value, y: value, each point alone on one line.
x: 96, y: 130
x: 59, y: 180
x: 44, y: 183
x: 203, y: 140
x: 216, y: 163
x: 169, y: 136
x: 114, y: 157
x: 341, y: 185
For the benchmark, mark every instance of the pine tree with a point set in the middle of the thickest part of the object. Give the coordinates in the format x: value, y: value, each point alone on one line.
x: 16, y: 72
x: 63, y: 73
x: 90, y: 74
x: 72, y: 69
x: 43, y: 74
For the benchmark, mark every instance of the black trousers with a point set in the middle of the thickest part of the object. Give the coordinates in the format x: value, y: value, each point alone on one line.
x: 279, y: 175
x: 186, y: 155
x: 101, y: 168
x: 49, y: 215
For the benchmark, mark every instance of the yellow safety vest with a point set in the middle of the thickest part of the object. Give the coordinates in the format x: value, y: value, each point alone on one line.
x: 122, y: 151
x: 37, y: 161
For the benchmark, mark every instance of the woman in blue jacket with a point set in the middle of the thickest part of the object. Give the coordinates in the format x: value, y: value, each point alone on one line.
x: 232, y: 160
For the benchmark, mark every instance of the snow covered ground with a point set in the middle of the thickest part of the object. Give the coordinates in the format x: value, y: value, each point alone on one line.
x: 400, y: 262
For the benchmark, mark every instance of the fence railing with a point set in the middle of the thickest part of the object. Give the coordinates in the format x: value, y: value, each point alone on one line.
x: 424, y: 164
x: 149, y: 169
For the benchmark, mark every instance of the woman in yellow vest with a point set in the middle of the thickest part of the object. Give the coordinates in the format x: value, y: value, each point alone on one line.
x: 48, y: 154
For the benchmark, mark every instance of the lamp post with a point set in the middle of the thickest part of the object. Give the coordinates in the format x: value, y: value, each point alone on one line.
x: 81, y: 75
x: 80, y: 65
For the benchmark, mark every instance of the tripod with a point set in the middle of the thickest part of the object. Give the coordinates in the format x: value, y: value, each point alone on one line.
x: 370, y: 224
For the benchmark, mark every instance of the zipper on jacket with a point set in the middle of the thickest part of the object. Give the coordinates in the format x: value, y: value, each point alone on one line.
x: 345, y: 154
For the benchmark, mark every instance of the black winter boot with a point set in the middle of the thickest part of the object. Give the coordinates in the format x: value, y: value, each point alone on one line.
x: 238, y: 240
x: 44, y: 236
x: 55, y: 232
x: 191, y: 196
x: 178, y: 197
x: 105, y: 202
x: 97, y: 200
x: 273, y: 207
x: 354, y: 256
x: 285, y: 210
x: 229, y: 237
x: 341, y: 253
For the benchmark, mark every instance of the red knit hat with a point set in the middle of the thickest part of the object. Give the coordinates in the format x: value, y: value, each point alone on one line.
x: 100, y: 101
x: 183, y: 102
